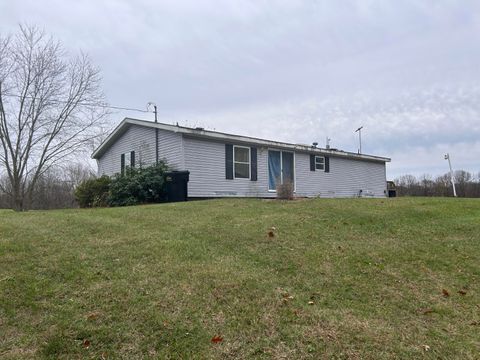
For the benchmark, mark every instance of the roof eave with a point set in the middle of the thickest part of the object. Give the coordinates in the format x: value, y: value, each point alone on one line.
x: 100, y: 150
x: 201, y: 133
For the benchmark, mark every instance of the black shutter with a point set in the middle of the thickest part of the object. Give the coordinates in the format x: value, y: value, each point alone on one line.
x: 122, y: 164
x: 132, y: 159
x: 327, y: 164
x: 229, y: 161
x: 312, y: 162
x: 253, y: 164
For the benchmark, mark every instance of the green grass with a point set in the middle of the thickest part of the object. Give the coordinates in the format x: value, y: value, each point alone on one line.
x: 160, y: 281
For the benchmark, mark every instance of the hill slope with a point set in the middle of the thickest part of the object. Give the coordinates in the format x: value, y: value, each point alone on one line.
x: 354, y: 278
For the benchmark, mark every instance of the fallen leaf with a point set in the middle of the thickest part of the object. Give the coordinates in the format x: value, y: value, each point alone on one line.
x: 445, y: 293
x: 426, y: 347
x: 311, y: 303
x: 462, y: 292
x: 427, y: 311
x: 216, y: 339
x: 86, y: 343
x: 93, y: 315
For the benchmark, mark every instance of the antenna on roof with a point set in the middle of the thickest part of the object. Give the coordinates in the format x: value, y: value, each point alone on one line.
x: 327, y: 146
x: 359, y: 130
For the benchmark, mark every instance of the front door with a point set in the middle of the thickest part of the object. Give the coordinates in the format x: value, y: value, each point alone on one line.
x: 280, y: 168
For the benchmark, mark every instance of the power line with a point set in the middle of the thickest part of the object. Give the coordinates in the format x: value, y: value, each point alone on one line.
x: 105, y: 106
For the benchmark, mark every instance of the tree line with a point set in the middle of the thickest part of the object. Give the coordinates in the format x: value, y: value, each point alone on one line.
x: 466, y: 184
x: 54, y: 189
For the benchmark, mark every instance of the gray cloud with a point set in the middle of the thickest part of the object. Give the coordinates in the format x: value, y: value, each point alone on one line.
x: 297, y: 71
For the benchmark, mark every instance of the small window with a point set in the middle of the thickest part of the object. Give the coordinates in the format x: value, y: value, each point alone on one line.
x: 319, y: 163
x: 127, y: 160
x: 241, y: 162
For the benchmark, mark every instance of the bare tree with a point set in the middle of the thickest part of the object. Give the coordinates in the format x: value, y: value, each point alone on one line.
x: 51, y: 107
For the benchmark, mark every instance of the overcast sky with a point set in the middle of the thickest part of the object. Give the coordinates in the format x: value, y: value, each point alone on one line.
x: 297, y: 71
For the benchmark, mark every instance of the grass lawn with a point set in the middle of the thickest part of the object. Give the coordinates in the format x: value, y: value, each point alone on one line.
x: 345, y: 279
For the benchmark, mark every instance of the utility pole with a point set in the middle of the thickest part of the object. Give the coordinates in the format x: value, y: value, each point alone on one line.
x: 359, y: 130
x: 447, y: 157
x: 156, y: 129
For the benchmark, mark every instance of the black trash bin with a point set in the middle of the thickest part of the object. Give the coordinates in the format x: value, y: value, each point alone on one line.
x: 177, y: 185
x: 391, y: 189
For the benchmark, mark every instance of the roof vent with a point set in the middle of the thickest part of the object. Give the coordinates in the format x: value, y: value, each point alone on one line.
x: 314, y: 145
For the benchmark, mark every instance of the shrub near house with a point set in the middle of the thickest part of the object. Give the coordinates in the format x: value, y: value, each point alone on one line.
x: 134, y: 186
x: 93, y: 192
x: 138, y: 186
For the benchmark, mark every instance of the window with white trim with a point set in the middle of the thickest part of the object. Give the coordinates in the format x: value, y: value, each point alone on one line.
x: 319, y: 163
x: 127, y: 159
x: 241, y: 162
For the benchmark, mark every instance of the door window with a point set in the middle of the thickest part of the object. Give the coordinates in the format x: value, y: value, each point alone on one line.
x: 280, y: 168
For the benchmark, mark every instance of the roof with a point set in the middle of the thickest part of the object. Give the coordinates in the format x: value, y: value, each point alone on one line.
x: 224, y: 137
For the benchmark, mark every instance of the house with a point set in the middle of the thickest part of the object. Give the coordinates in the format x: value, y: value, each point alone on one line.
x: 223, y: 165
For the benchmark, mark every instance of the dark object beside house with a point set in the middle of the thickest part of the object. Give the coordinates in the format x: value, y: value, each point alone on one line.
x: 177, y: 185
x: 391, y: 189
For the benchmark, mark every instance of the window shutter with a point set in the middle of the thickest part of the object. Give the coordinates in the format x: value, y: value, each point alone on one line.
x: 122, y: 164
x: 229, y: 161
x: 312, y: 162
x: 132, y: 159
x: 327, y: 164
x: 253, y: 164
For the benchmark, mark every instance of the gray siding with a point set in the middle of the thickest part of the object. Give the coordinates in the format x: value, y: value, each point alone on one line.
x: 205, y: 159
x: 345, y: 179
x: 206, y: 162
x: 142, y: 140
x: 170, y: 149
x: 136, y: 138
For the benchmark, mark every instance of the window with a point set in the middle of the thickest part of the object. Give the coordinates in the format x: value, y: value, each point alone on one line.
x: 127, y: 160
x: 319, y: 163
x: 241, y: 162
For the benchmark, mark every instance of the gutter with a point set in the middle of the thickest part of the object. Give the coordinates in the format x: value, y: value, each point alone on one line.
x: 214, y: 135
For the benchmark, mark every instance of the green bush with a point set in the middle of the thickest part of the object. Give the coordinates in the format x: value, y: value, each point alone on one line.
x: 93, y: 192
x: 138, y: 186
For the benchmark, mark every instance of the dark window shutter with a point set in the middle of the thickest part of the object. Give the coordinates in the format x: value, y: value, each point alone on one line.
x: 122, y: 164
x: 312, y: 162
x: 253, y: 164
x: 327, y: 164
x: 132, y: 159
x: 229, y: 161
